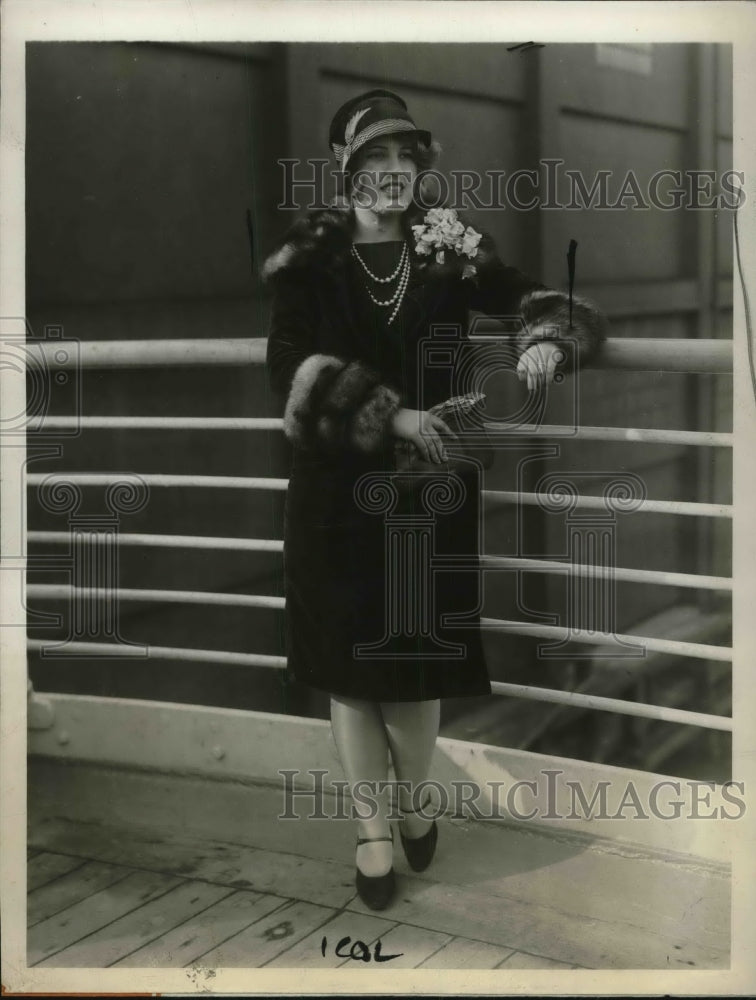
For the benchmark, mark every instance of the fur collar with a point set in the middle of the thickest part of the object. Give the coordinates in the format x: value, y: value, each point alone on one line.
x: 322, y: 239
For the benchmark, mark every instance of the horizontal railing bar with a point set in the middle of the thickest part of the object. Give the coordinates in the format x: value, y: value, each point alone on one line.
x: 630, y: 435
x: 269, y: 483
x: 588, y: 502
x: 698, y: 650
x: 654, y: 758
x: 627, y: 575
x: 164, y: 423
x: 675, y: 646
x: 651, y: 354
x: 157, y: 479
x: 190, y: 353
x: 646, y: 354
x: 576, y: 699
x: 629, y: 354
x: 660, y: 577
x: 634, y: 435
x: 58, y: 590
x: 117, y: 651
x: 169, y: 541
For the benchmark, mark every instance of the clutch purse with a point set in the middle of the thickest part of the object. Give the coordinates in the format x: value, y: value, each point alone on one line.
x: 464, y: 416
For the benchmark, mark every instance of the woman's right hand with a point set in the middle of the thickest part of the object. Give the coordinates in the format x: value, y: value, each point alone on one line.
x: 424, y: 431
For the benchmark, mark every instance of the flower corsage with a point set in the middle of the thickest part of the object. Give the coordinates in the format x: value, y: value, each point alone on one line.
x: 442, y: 231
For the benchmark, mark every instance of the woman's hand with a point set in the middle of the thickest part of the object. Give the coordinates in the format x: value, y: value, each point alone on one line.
x: 423, y: 430
x: 538, y: 364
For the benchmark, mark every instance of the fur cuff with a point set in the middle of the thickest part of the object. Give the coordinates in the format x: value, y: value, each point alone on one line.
x: 301, y: 406
x: 372, y: 419
x: 338, y: 404
x: 546, y: 314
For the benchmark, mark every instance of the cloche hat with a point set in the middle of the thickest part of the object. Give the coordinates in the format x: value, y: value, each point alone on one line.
x: 363, y: 118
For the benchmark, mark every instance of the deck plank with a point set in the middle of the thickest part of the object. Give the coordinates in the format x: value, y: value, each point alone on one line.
x: 411, y: 946
x: 71, y: 888
x: 267, y: 938
x: 463, y: 953
x: 511, y: 862
x: 567, y: 937
x: 90, y: 914
x: 203, y: 932
x: 140, y: 927
x: 510, y: 887
x: 46, y: 866
x: 136, y: 847
x: 521, y: 960
x: 329, y: 883
x: 308, y: 952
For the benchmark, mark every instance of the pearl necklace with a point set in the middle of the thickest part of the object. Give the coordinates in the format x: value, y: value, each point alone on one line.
x: 398, y: 296
x: 369, y: 273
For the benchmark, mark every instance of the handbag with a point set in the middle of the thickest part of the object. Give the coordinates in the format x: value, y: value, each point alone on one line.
x: 471, y: 446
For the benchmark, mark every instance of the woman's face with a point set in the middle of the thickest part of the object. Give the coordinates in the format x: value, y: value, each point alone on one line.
x: 384, y: 178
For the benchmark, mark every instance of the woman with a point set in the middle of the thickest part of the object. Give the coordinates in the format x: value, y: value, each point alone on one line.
x: 356, y: 291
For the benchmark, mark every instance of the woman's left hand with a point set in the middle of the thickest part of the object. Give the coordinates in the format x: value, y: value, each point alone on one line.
x: 539, y: 362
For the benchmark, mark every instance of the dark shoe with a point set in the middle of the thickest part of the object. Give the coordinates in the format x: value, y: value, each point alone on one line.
x: 419, y: 851
x: 375, y: 891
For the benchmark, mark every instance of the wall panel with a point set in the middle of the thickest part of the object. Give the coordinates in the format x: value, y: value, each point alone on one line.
x: 724, y: 89
x: 441, y: 68
x: 141, y: 164
x: 656, y: 97
x: 624, y: 243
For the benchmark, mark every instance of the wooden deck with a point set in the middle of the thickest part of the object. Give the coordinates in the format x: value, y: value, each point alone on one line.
x: 144, y: 870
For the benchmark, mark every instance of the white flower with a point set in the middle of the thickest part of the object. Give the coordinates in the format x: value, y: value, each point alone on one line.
x: 436, y: 216
x: 470, y: 242
x: 470, y: 270
x: 443, y: 231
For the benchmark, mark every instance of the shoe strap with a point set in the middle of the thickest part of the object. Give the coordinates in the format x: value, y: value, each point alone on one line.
x: 373, y: 840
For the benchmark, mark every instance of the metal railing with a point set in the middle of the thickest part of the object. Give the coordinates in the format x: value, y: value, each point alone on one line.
x: 688, y: 356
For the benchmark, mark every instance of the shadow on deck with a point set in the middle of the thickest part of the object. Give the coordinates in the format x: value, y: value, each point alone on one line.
x: 129, y: 868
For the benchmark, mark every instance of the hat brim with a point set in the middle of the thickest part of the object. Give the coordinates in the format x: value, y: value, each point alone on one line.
x: 423, y: 135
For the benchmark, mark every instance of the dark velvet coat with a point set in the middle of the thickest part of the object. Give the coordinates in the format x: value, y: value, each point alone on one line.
x: 368, y: 607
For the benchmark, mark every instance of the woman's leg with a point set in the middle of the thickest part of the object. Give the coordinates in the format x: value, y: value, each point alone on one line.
x: 360, y: 737
x: 412, y: 730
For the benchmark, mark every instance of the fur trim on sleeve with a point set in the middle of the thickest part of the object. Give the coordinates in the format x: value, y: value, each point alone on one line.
x: 310, y: 378
x: 338, y: 404
x: 546, y: 314
x: 372, y: 419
